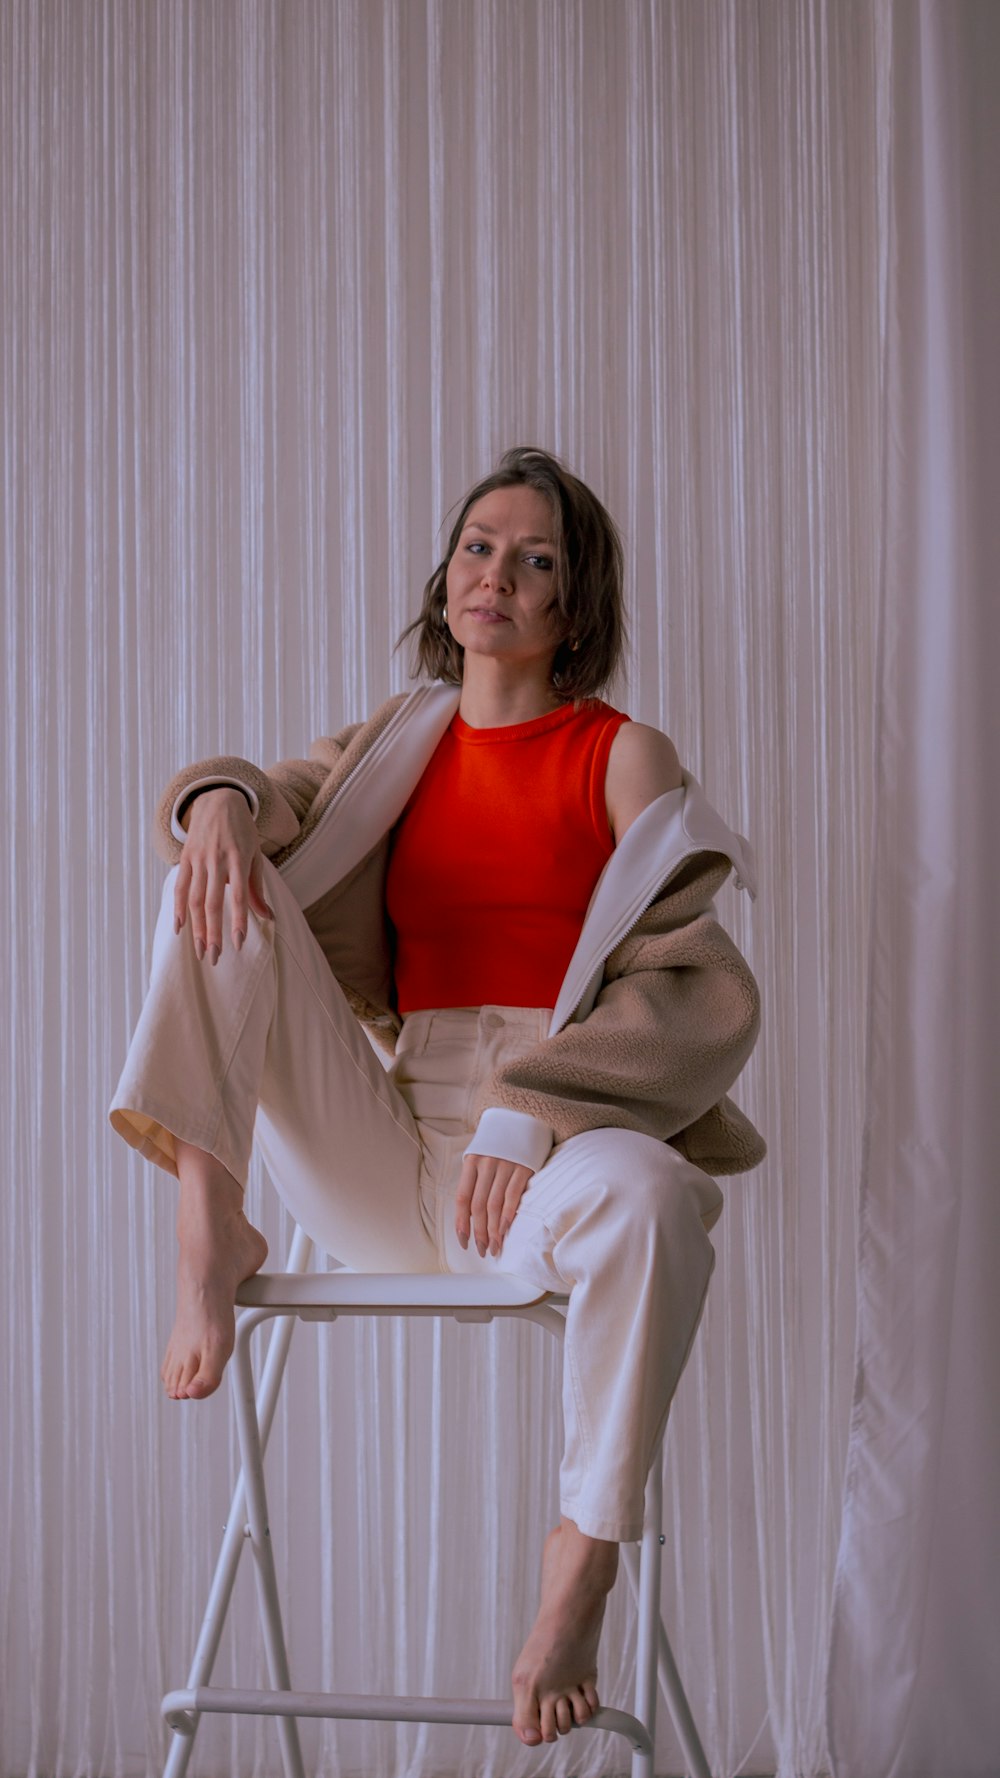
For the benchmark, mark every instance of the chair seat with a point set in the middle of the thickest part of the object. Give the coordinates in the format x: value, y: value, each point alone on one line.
x: 386, y: 1291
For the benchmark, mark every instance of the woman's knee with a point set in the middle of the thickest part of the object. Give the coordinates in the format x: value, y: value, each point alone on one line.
x: 649, y: 1182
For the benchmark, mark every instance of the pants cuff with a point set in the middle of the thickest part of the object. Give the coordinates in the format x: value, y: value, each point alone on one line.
x: 620, y: 1529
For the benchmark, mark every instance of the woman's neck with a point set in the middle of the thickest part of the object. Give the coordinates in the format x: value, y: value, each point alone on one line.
x: 498, y: 699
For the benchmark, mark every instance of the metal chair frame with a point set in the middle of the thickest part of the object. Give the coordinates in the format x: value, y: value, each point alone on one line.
x: 296, y: 1294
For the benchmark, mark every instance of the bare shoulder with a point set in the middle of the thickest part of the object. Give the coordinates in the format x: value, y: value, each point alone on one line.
x: 642, y: 765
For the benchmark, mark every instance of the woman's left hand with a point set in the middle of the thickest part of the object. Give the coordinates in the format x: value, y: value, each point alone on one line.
x: 489, y: 1192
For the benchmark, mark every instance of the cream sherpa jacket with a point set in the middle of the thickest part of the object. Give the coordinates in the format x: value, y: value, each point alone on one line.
x: 658, y: 1011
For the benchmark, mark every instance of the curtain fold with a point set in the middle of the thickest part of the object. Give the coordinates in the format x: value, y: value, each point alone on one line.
x: 915, y: 1645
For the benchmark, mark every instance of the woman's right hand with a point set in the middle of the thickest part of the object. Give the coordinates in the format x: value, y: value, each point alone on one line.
x: 222, y: 847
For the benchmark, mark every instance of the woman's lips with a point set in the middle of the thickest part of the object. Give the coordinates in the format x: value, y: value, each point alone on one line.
x: 484, y: 615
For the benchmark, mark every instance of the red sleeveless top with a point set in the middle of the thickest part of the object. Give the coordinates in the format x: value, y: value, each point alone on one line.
x: 495, y: 858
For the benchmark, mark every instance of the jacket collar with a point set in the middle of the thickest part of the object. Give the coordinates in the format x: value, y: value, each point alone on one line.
x: 372, y: 799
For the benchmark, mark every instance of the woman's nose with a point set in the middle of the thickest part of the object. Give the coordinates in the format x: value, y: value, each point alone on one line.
x: 495, y: 574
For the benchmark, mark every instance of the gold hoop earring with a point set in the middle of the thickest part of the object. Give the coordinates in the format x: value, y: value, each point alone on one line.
x: 574, y: 647
x: 444, y: 616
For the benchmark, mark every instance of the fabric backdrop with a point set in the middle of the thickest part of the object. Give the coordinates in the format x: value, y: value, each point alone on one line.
x: 916, y: 1631
x: 277, y: 282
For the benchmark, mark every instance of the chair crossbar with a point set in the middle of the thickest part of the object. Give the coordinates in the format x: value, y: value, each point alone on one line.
x: 181, y: 1710
x: 326, y: 1296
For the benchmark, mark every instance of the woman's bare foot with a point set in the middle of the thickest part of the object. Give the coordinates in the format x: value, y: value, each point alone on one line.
x: 555, y: 1675
x: 219, y: 1248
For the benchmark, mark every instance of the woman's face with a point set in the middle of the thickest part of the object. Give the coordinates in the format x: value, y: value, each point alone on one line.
x: 500, y: 580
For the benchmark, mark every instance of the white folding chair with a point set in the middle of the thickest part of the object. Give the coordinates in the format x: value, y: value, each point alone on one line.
x: 326, y: 1296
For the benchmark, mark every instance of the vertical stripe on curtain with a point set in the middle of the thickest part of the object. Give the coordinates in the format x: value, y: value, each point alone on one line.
x: 916, y: 1626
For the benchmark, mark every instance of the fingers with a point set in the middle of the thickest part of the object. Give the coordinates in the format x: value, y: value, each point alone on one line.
x: 222, y: 851
x: 463, y: 1200
x: 200, y: 895
x: 214, y: 898
x: 238, y: 908
x: 196, y: 906
x: 255, y: 883
x: 476, y: 1182
x: 489, y: 1192
x: 181, y: 890
x: 246, y: 891
x: 517, y: 1185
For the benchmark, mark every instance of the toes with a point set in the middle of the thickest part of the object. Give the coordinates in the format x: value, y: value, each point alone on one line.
x: 525, y: 1721
x: 535, y: 1721
x: 187, y: 1371
x: 547, y: 1719
x: 583, y: 1709
x: 200, y: 1386
x: 203, y: 1374
x: 526, y: 1729
x: 563, y: 1715
x: 185, y: 1376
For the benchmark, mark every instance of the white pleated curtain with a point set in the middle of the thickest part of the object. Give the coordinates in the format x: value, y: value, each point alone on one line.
x: 915, y: 1647
x: 277, y: 282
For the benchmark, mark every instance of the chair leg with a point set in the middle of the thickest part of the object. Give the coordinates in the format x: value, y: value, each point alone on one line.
x: 223, y: 1580
x: 252, y: 1456
x: 654, y: 1655
x: 648, y: 1605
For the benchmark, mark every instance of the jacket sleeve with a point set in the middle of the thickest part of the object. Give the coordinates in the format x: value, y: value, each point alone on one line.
x: 279, y: 799
x: 674, y: 1022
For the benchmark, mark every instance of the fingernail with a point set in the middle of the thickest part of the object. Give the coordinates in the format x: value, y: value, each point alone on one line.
x: 199, y: 948
x: 270, y: 912
x: 177, y: 924
x: 463, y: 1241
x: 494, y: 1249
x: 213, y: 955
x: 480, y: 1249
x: 238, y: 938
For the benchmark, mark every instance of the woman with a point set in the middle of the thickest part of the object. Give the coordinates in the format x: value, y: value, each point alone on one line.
x: 510, y: 885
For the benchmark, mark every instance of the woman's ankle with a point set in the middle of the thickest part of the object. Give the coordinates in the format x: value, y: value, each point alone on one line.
x: 204, y: 1182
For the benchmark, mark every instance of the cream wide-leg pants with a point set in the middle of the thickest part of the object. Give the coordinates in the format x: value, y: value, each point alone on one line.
x: 367, y: 1161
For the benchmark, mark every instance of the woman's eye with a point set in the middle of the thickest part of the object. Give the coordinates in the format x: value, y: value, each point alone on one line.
x: 477, y: 547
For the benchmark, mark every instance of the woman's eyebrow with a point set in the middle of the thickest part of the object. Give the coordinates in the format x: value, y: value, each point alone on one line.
x: 474, y: 525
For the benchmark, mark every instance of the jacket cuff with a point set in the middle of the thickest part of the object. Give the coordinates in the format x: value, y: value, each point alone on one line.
x: 191, y: 790
x: 513, y: 1136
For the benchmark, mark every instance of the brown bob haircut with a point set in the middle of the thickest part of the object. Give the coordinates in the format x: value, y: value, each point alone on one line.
x: 587, y: 591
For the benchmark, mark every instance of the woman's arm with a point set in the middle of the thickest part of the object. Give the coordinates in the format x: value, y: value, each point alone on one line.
x: 218, y: 821
x: 642, y: 765
x: 277, y: 800
x: 286, y: 800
